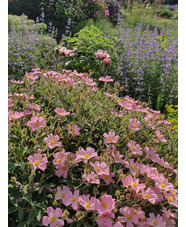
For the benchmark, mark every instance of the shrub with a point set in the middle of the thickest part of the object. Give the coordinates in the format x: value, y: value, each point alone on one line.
x: 171, y: 113
x: 165, y: 13
x: 114, y: 9
x: 28, y: 47
x: 89, y: 152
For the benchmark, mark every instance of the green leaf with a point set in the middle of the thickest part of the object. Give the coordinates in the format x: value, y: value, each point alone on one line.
x: 32, y: 214
x: 38, y: 215
x: 12, y: 166
x: 20, y: 213
x: 12, y: 209
x: 27, y: 198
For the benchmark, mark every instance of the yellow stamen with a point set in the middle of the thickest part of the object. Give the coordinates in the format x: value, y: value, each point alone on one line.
x: 133, y: 125
x: 87, y: 155
x: 162, y: 185
x: 127, y: 216
x: 104, y: 205
x: 37, y: 124
x: 52, y: 142
x: 132, y: 167
x: 59, y: 160
x: 62, y: 113
x: 134, y: 184
x: 87, y: 204
x: 134, y: 148
x: 110, y: 139
x: 117, y: 157
x: 155, y: 222
x: 147, y: 195
x: 64, y: 168
x: 106, y: 177
x: 73, y: 199
x: 170, y: 198
x: 98, y: 169
x: 150, y: 155
x: 62, y: 195
x: 36, y: 163
x: 52, y: 219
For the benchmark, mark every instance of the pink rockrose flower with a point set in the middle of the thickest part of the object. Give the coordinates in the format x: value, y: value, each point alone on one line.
x: 108, y: 178
x: 62, y: 170
x: 36, y: 122
x: 15, y: 116
x: 106, y: 79
x: 10, y: 102
x: 105, y: 220
x: 163, y: 184
x: 85, y: 155
x: 118, y: 224
x: 106, y: 12
x: 134, y: 124
x: 59, y: 157
x: 38, y: 161
x: 64, y: 194
x: 73, y: 199
x: 61, y: 112
x: 155, y: 221
x: 33, y: 106
x: 31, y: 76
x: 133, y: 166
x: 160, y: 136
x: 87, y: 203
x: 125, y: 105
x: 150, y: 195
x: 105, y: 204
x: 128, y: 216
x: 110, y: 138
x: 53, y: 217
x: 28, y: 112
x: 91, y: 178
x: 127, y: 180
x: 117, y: 157
x: 151, y: 154
x: 134, y: 147
x: 100, y: 168
x: 136, y: 186
x: 168, y: 213
x: 148, y: 122
x: 17, y: 81
x: 52, y: 141
x: 73, y: 129
x: 100, y: 54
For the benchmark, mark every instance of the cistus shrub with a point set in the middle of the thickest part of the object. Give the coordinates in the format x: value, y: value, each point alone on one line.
x: 171, y: 113
x: 28, y: 45
x: 83, y: 156
x: 165, y: 13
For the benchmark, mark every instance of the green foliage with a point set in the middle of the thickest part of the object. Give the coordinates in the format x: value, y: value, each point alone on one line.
x: 165, y: 13
x: 171, y: 113
x: 88, y: 41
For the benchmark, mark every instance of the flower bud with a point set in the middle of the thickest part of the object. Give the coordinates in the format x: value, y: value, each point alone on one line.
x: 117, y: 193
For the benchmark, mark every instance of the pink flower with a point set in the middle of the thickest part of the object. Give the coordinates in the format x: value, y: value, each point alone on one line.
x: 155, y: 221
x: 148, y: 122
x: 100, y: 54
x: 105, y: 220
x: 118, y: 224
x: 53, y: 217
x: 110, y: 138
x: 38, y: 162
x: 106, y: 79
x: 10, y: 103
x: 59, y: 157
x: 128, y: 216
x: 73, y: 199
x: 163, y: 184
x: 85, y: 155
x: 73, y: 129
x: 36, y: 122
x: 150, y: 195
x: 52, y: 141
x: 16, y: 115
x: 118, y: 157
x: 151, y: 154
x: 107, y: 62
x: 136, y: 186
x: 61, y: 112
x: 17, y: 81
x: 64, y: 194
x: 87, y: 203
x: 28, y: 112
x: 134, y: 124
x: 125, y: 105
x: 135, y: 148
x: 31, y: 76
x: 100, y: 168
x: 62, y: 170
x: 133, y: 167
x: 168, y: 213
x: 105, y: 204
x: 92, y: 178
x: 108, y: 178
x: 160, y: 136
x: 106, y: 13
x: 33, y: 106
x: 127, y: 181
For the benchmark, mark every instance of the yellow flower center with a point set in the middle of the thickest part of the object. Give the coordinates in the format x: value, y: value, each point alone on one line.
x: 150, y: 155
x: 63, y: 195
x: 11, y: 115
x: 167, y: 222
x: 110, y: 139
x: 87, y: 204
x: 155, y: 222
x: 73, y: 130
x: 174, y: 192
x: 133, y: 125
x: 52, y: 219
x: 87, y: 155
x: 98, y: 169
x: 170, y: 198
x: 37, y: 124
x: 162, y: 185
x: 104, y: 205
x: 62, y: 113
x: 132, y: 167
x: 159, y: 137
x: 52, y: 142
x: 134, y: 184
x: 31, y: 76
x: 73, y: 199
x: 64, y: 168
x: 36, y: 163
x: 130, y: 100
x: 147, y: 195
x: 134, y: 148
x: 59, y: 160
x: 124, y: 106
x: 106, y: 177
x: 127, y: 216
x: 105, y: 79
x: 162, y: 164
x: 117, y: 157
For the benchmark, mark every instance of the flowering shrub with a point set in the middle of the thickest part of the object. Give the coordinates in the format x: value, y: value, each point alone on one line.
x: 81, y: 156
x: 28, y: 46
x: 172, y: 114
x: 114, y: 9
